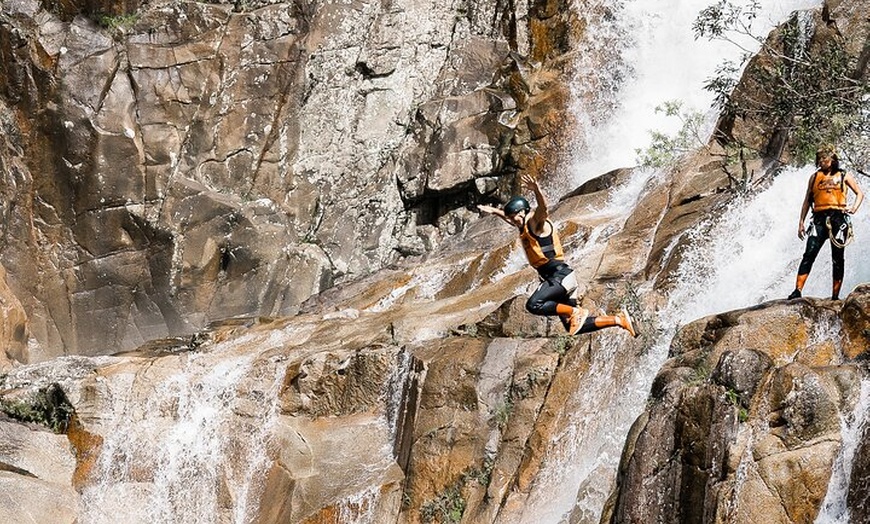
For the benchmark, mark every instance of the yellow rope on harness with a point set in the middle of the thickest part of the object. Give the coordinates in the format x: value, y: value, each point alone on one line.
x: 847, y: 238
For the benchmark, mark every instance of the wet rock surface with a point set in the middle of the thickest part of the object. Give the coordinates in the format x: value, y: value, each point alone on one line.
x: 262, y: 162
x: 745, y: 419
x: 170, y: 164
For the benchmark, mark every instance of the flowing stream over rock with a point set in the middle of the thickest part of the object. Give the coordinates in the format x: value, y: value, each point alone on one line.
x: 834, y: 509
x: 659, y: 60
x: 204, y: 463
x: 201, y: 423
x: 747, y: 256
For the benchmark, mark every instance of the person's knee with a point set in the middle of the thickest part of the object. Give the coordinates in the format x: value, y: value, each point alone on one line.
x: 534, y: 306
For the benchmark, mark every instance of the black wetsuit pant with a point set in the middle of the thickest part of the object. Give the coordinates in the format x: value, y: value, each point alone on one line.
x: 550, y: 293
x: 816, y: 240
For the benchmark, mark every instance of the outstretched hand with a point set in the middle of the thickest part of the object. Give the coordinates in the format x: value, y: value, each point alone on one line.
x: 489, y: 210
x: 529, y: 181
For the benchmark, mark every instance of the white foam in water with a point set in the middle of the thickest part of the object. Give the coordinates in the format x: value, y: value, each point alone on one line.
x: 183, y: 456
x: 752, y: 253
x: 586, y: 452
x: 663, y: 62
x: 834, y: 509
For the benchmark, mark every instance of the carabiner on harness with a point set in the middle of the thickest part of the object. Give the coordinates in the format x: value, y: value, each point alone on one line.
x: 844, y: 234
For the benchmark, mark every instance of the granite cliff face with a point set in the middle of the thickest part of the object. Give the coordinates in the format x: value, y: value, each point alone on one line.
x: 169, y: 164
x: 245, y: 228
x: 426, y: 403
x: 744, y: 422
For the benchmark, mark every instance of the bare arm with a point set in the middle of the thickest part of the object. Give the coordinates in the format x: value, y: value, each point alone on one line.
x: 540, y: 215
x: 805, y: 208
x: 859, y: 195
x: 489, y: 210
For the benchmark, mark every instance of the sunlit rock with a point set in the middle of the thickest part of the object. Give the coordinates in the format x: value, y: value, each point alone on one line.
x: 745, y: 420
x: 182, y: 163
x: 13, y: 327
x: 857, y: 322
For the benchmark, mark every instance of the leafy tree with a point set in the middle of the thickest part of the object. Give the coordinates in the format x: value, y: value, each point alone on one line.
x: 665, y: 150
x: 807, y: 88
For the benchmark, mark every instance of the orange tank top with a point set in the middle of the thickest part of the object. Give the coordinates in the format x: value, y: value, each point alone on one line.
x: 828, y: 191
x: 541, y: 250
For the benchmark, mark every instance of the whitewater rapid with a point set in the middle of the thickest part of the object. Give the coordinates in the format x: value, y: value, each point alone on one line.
x: 747, y: 256
x: 659, y: 60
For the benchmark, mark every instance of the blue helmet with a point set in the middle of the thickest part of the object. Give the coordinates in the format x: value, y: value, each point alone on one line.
x: 515, y: 205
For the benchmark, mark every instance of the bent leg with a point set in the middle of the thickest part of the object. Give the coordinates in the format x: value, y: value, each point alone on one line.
x: 546, y: 299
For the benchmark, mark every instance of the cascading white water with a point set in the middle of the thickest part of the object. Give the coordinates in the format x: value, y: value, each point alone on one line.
x: 752, y: 252
x: 659, y: 60
x: 748, y: 256
x: 184, y: 454
x: 190, y: 438
x: 834, y: 509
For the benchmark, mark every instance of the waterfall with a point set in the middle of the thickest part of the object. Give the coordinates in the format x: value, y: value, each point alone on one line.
x: 751, y: 253
x: 747, y: 256
x: 193, y: 450
x: 658, y: 60
x: 834, y: 509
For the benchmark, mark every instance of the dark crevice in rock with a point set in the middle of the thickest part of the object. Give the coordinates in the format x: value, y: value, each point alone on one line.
x: 406, y: 414
x: 368, y: 73
x: 18, y: 471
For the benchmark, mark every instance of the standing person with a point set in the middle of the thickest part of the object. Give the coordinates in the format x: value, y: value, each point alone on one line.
x: 826, y: 193
x: 543, y: 249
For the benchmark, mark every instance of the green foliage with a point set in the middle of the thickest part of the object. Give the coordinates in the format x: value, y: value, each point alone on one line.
x: 700, y: 374
x: 447, y: 508
x: 118, y: 22
x: 48, y: 407
x: 562, y: 344
x: 664, y: 150
x: 644, y: 320
x: 483, y: 474
x: 812, y: 94
x: 503, y: 412
x: 734, y: 399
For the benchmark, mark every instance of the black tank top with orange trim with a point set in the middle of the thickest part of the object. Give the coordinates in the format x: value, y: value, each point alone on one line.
x: 544, y: 253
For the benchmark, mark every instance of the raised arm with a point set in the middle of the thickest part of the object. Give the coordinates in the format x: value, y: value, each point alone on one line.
x: 859, y: 195
x: 541, y: 213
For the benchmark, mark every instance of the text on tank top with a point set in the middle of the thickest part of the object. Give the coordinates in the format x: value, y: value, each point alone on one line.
x: 828, y: 191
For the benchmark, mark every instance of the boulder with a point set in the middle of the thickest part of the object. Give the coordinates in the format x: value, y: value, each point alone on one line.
x: 745, y: 420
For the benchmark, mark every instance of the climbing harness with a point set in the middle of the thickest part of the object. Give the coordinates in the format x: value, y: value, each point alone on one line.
x: 844, y: 234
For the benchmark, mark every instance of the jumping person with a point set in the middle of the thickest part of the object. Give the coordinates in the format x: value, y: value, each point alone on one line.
x: 543, y: 249
x: 826, y: 193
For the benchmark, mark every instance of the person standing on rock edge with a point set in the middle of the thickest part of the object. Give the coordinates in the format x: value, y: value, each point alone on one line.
x: 543, y: 249
x: 826, y: 193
